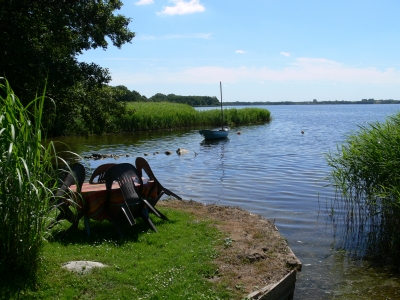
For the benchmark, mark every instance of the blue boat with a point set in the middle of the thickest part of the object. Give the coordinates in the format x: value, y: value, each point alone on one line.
x: 219, y: 133
x: 215, y: 134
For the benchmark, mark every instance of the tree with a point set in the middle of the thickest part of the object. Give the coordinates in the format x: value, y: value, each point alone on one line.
x: 127, y: 95
x: 159, y: 98
x: 190, y: 100
x: 41, y: 40
x: 93, y: 111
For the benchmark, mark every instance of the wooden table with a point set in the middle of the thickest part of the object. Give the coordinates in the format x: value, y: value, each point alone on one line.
x: 94, y: 197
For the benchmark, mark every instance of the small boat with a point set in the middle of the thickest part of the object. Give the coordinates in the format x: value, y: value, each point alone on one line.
x: 219, y: 133
x: 215, y: 134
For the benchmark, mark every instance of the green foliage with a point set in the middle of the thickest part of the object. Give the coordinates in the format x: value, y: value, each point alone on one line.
x: 366, y: 169
x: 191, y: 100
x: 41, y: 41
x: 132, y: 96
x: 26, y: 181
x: 127, y: 95
x: 92, y: 112
x: 236, y: 117
x: 143, y: 116
x: 152, y: 116
x: 174, y: 263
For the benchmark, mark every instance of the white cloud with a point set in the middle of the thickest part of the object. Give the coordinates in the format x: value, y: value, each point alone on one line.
x: 239, y: 51
x: 144, y: 2
x: 287, y: 54
x: 181, y: 8
x: 303, y: 70
x: 145, y: 37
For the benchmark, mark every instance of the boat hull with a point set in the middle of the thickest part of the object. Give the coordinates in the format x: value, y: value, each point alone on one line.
x: 214, y: 134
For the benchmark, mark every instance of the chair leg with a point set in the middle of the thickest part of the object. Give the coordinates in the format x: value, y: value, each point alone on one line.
x: 145, y: 216
x: 67, y: 213
x: 75, y: 223
x: 59, y: 217
x: 161, y: 215
x: 52, y: 223
x: 169, y: 193
x: 117, y: 228
x: 155, y: 210
x: 152, y: 208
x: 128, y: 215
x: 114, y: 222
x: 87, y: 225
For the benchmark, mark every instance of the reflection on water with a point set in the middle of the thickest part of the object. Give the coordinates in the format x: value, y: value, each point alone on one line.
x: 366, y: 230
x: 217, y: 146
x: 273, y: 170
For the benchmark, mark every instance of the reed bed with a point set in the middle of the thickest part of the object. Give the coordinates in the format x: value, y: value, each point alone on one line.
x: 143, y: 116
x: 28, y: 172
x: 244, y: 116
x: 366, y: 171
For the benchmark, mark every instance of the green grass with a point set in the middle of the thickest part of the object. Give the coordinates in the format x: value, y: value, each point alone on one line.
x: 171, y: 264
x: 144, y: 116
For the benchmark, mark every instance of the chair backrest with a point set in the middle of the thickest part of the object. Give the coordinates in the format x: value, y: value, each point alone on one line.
x: 80, y: 173
x: 100, y: 173
x: 143, y: 165
x: 125, y: 174
x: 76, y: 176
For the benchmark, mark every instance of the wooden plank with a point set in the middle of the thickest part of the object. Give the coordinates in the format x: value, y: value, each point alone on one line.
x: 282, y: 290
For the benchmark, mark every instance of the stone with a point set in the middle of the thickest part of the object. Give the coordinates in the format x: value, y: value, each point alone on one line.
x: 82, y: 266
x: 252, y: 256
x: 182, y: 151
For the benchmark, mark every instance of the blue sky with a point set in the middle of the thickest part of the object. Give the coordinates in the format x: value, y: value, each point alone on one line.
x: 261, y: 50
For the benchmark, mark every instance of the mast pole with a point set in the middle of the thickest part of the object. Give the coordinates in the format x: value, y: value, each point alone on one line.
x: 222, y: 111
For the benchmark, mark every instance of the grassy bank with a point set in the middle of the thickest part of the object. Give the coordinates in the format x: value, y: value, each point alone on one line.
x: 144, y: 116
x: 201, y: 252
x: 366, y: 170
x: 171, y: 264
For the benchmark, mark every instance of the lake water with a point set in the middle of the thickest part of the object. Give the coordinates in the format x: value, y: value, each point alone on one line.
x: 273, y: 170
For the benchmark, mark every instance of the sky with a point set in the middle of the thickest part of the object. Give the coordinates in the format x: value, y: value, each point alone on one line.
x: 261, y: 50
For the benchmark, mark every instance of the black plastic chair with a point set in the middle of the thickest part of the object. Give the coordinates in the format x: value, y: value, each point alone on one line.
x: 76, y: 175
x: 98, y: 175
x: 143, y: 165
x: 134, y: 205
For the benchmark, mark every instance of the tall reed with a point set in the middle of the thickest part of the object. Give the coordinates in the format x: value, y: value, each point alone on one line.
x: 26, y: 183
x: 366, y: 169
x: 144, y: 116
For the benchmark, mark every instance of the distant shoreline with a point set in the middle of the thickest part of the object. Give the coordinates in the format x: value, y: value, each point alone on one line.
x: 314, y: 102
